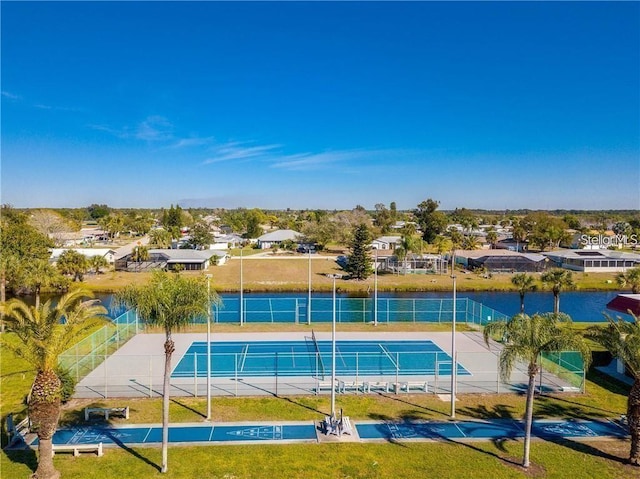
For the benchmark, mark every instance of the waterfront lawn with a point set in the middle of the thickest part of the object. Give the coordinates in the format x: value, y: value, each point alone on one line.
x: 279, y: 275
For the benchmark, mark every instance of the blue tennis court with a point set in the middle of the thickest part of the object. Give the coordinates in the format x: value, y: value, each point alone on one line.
x: 314, y: 358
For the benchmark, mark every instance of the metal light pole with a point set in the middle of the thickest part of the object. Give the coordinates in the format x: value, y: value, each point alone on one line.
x: 454, y: 362
x: 333, y: 347
x: 241, y: 295
x: 309, y: 299
x: 375, y: 289
x: 208, y: 348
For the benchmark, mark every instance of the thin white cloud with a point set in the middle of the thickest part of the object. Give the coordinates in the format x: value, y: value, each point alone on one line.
x: 192, y: 141
x: 42, y: 106
x: 10, y: 96
x: 237, y: 151
x: 313, y: 161
x: 154, y: 128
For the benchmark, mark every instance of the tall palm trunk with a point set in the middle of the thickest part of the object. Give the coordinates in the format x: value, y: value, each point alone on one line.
x: 556, y: 302
x: 633, y: 419
x: 36, y: 290
x: 44, y: 412
x: 528, y: 418
x: 3, y: 296
x: 169, y: 348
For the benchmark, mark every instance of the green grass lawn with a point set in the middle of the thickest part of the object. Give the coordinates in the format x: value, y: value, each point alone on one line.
x: 286, y: 275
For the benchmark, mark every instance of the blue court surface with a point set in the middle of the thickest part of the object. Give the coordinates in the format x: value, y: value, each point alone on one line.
x: 496, y: 429
x: 313, y: 358
x: 141, y: 435
x: 309, y: 432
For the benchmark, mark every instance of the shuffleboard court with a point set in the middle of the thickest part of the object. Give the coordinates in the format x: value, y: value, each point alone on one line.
x: 133, y: 435
x: 365, y: 431
x: 313, y: 358
x: 496, y: 429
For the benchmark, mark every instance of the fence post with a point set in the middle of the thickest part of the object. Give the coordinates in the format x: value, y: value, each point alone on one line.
x: 150, y: 376
x: 357, y: 368
x: 397, y: 371
x: 106, y: 378
x: 235, y: 363
x: 195, y: 374
x: 276, y: 373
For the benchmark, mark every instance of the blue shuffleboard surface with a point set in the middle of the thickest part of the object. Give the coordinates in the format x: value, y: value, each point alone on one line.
x: 305, y: 432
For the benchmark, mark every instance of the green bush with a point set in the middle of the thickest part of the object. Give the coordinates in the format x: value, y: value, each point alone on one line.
x: 68, y: 385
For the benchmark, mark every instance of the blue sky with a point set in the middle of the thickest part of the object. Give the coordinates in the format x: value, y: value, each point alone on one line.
x: 321, y: 105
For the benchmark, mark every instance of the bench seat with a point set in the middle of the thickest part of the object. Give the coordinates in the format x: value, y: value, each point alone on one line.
x: 106, y: 412
x: 76, y: 449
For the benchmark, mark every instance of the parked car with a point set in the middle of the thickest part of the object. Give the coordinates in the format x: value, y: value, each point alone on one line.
x: 306, y: 249
x: 342, y: 261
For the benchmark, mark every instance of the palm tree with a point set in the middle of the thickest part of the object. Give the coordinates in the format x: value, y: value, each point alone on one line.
x: 160, y: 238
x: 559, y: 279
x: 39, y: 273
x: 622, y: 338
x: 526, y: 338
x: 630, y: 278
x: 525, y: 283
x: 139, y: 254
x: 46, y: 332
x: 469, y: 242
x: 97, y: 262
x: 171, y: 302
x: 492, y: 237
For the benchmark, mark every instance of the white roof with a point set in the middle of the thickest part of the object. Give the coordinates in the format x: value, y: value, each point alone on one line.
x: 185, y: 255
x: 280, y: 235
x: 388, y: 239
x: 56, y: 252
x: 592, y: 254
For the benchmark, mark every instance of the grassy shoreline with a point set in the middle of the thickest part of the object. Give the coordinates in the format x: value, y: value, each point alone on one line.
x: 292, y: 275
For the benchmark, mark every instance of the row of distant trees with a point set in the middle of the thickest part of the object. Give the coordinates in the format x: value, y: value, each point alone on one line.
x: 541, y: 229
x: 24, y: 262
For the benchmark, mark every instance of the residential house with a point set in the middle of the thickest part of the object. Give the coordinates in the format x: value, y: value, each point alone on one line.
x: 170, y: 259
x: 107, y: 253
x: 496, y: 260
x: 591, y: 261
x: 275, y: 238
x: 386, y: 242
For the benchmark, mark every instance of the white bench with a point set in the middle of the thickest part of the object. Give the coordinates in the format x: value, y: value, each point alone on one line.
x: 15, y: 432
x: 570, y: 389
x: 417, y: 385
x: 322, y: 386
x: 344, y: 427
x: 368, y: 386
x: 78, y: 448
x: 344, y: 386
x: 106, y: 411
